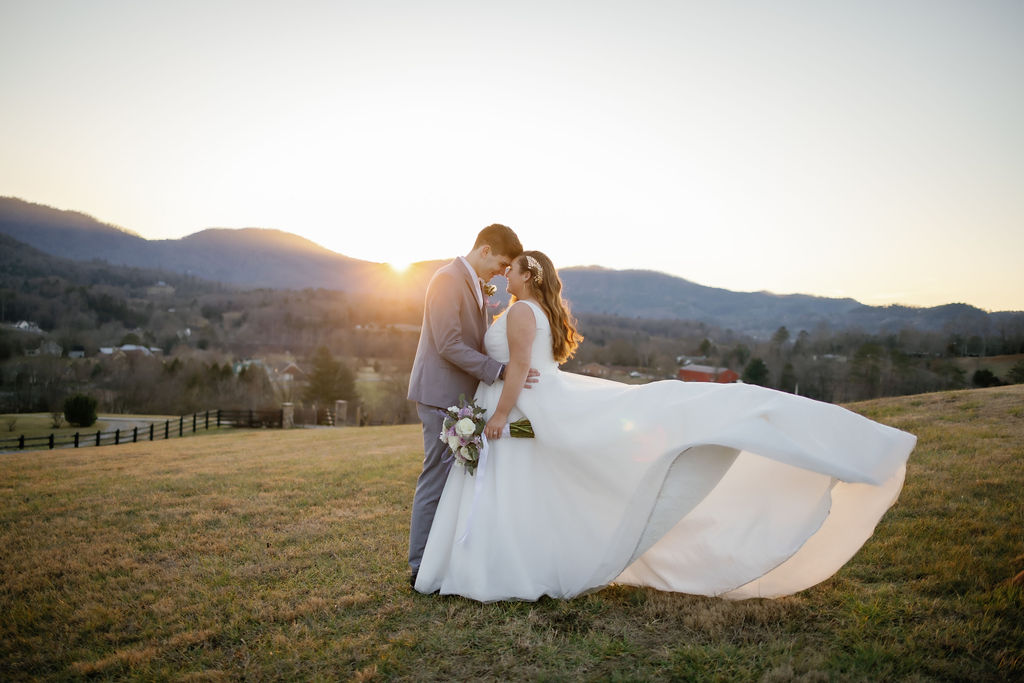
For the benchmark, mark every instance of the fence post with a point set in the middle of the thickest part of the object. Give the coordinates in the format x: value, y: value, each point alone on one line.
x: 21, y: 442
x: 98, y: 432
x: 340, y: 413
x: 135, y: 434
x: 150, y: 431
x: 218, y: 417
x: 207, y: 420
x: 250, y: 418
x: 117, y: 437
x: 167, y: 429
x: 76, y: 439
x: 181, y: 426
x: 193, y: 423
x: 51, y: 441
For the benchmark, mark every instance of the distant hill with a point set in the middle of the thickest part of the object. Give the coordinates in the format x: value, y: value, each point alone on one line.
x: 250, y: 257
x: 69, y: 234
x: 22, y: 263
x: 256, y: 257
x: 647, y: 294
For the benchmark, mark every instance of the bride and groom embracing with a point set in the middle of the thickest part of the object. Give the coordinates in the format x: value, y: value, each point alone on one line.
x: 733, y: 490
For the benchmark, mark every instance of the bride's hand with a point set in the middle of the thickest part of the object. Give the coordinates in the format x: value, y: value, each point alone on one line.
x: 492, y: 430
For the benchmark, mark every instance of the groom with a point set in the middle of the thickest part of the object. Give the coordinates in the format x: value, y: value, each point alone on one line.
x: 450, y: 361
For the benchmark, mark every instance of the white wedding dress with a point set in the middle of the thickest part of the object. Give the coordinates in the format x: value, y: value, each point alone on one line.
x: 731, y: 490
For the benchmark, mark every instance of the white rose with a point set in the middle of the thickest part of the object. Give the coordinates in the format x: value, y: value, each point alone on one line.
x: 453, y: 443
x: 467, y: 454
x: 465, y: 427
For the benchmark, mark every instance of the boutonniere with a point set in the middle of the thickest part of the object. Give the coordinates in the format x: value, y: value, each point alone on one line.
x: 489, y: 289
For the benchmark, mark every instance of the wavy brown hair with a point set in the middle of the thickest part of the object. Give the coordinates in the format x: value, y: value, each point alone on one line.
x: 547, y: 287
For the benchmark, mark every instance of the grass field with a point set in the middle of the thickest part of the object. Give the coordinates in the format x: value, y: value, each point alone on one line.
x: 40, y: 424
x: 998, y: 365
x: 281, y: 555
x: 13, y: 425
x: 38, y: 427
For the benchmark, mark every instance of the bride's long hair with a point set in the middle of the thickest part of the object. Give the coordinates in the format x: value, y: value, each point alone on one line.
x: 547, y: 287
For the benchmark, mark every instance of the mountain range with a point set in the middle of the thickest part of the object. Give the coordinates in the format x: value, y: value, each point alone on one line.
x: 258, y: 257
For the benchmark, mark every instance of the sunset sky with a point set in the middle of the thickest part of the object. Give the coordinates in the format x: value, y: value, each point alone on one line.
x: 871, y: 149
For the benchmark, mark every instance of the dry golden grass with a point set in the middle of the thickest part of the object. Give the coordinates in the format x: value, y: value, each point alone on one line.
x: 281, y: 555
x: 998, y: 365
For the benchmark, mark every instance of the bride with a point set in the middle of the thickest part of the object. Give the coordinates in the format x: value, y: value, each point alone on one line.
x: 731, y: 490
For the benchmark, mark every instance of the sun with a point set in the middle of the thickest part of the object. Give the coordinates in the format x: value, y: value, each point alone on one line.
x: 400, y: 266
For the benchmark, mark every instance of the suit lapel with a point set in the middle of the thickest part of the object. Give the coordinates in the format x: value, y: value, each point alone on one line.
x: 474, y: 286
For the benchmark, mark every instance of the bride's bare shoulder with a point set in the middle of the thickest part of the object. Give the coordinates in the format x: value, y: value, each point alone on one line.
x: 521, y: 314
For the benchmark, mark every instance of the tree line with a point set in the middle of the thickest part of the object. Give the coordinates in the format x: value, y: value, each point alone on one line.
x: 205, y: 337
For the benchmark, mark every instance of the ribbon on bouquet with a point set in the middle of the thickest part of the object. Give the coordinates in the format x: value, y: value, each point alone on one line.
x: 478, y: 485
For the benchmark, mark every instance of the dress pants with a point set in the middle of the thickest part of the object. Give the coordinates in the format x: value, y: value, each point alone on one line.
x: 436, y: 464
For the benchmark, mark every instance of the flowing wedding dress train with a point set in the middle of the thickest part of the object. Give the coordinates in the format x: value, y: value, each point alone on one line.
x: 731, y: 490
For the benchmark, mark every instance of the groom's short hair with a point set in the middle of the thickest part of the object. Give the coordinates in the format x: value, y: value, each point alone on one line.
x: 501, y: 239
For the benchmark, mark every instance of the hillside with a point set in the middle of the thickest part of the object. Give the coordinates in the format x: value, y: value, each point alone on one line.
x: 281, y: 555
x: 265, y: 258
x: 69, y: 234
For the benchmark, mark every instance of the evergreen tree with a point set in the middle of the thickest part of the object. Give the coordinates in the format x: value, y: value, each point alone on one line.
x: 330, y: 380
x: 787, y: 380
x: 1016, y: 374
x: 985, y: 378
x: 780, y: 337
x: 80, y: 410
x: 756, y: 372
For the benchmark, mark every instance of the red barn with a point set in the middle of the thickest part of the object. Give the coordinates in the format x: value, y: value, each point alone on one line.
x: 706, y: 373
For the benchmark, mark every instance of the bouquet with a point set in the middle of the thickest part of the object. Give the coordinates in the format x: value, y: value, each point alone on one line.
x: 463, y: 432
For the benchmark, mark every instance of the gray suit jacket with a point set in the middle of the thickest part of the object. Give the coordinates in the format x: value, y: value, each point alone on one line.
x: 449, y: 358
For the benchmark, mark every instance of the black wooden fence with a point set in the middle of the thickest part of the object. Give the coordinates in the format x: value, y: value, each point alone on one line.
x: 184, y: 425
x: 250, y: 418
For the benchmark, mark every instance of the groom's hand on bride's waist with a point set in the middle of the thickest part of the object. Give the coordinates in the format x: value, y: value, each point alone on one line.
x: 532, y: 377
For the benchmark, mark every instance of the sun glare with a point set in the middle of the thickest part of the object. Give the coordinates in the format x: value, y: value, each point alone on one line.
x: 400, y: 266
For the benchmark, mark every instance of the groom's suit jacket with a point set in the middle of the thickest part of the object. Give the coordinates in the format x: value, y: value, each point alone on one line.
x: 449, y: 358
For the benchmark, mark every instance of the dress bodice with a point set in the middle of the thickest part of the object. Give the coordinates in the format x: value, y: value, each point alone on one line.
x: 496, y: 339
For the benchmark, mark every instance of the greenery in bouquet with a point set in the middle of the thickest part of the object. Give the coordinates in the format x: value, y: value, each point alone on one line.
x: 463, y: 432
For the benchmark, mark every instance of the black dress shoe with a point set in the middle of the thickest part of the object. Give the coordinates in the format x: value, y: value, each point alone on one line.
x: 412, y: 579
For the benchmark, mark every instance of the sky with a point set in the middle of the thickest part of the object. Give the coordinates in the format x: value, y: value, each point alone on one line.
x: 871, y: 149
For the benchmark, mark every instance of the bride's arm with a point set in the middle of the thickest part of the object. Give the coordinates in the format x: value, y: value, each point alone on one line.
x: 522, y: 328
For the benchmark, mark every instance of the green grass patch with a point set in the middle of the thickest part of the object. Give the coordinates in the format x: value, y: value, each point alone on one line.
x: 273, y: 554
x: 35, y: 427
x: 13, y: 425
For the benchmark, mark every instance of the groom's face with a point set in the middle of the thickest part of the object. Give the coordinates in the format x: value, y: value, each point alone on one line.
x: 494, y: 264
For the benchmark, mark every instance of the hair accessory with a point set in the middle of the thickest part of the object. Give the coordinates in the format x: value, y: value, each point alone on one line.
x: 534, y: 267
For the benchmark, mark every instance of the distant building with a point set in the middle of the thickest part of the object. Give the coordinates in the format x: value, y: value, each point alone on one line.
x: 130, y: 349
x: 46, y: 348
x: 77, y: 352
x: 249, y: 364
x: 595, y: 370
x: 291, y: 373
x: 27, y: 326
x: 393, y: 327
x: 706, y: 373
x: 160, y: 289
